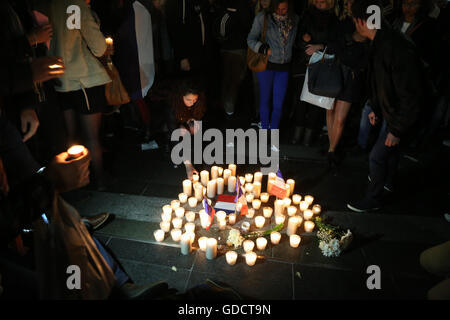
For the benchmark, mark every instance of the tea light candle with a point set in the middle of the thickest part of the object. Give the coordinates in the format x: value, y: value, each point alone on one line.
x: 211, y: 249
x: 291, y: 183
x: 308, y: 214
x: 198, y: 190
x: 189, y: 227
x: 248, y: 187
x: 177, y: 223
x: 279, y: 206
x: 220, y: 171
x: 221, y: 215
x: 204, y: 177
x: 109, y: 41
x: 232, y: 168
x: 248, y: 177
x: 211, y: 188
x: 167, y: 209
x: 264, y: 197
x: 261, y: 243
x: 185, y: 244
x: 176, y: 235
x: 250, y: 213
x: 257, y: 177
x: 256, y: 204
x: 296, y: 198
x: 165, y: 226
x: 257, y: 189
x: 214, y: 172
x: 159, y: 235
x: 182, y: 197
x: 291, y: 210
x: 231, y: 184
x: 179, y: 212
x: 205, y: 223
x: 250, y: 258
x: 192, y: 235
x: 190, y: 216
x: 309, y: 199
x: 309, y: 226
x: 222, y: 224
x: 166, y: 216
x: 316, y: 208
x: 175, y: 204
x: 232, y: 218
x: 226, y: 175
x: 220, y: 185
x: 279, y: 219
x: 195, y: 178
x: 294, y: 240
x: 249, y: 197
x: 187, y: 187
x: 267, y: 212
x: 303, y: 205
x: 192, y: 202
x: 292, y: 226
x: 248, y: 245
x: 275, y: 237
x: 75, y: 151
x: 231, y: 257
x: 287, y: 202
x: 259, y: 222
x: 202, y: 243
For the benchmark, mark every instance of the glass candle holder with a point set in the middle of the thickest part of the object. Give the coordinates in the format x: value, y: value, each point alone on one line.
x: 264, y: 197
x: 259, y: 222
x: 261, y: 243
x: 231, y: 257
x: 248, y: 245
x: 267, y: 212
x: 250, y: 258
x: 159, y: 235
x: 294, y: 240
x: 275, y: 237
x: 176, y: 234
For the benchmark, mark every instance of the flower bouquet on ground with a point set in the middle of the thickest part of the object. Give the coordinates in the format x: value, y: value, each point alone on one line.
x: 333, y: 240
x: 235, y: 238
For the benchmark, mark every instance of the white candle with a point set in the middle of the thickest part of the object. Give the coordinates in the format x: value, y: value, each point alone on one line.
x: 211, y: 189
x: 256, y: 204
x: 177, y: 223
x: 232, y: 168
x: 182, y: 197
x: 220, y: 171
x: 250, y: 258
x: 248, y: 245
x: 249, y: 197
x: 214, y: 172
x: 250, y: 213
x: 192, y: 202
x: 248, y: 187
x: 279, y: 219
x: 189, y: 227
x: 238, y: 206
x: 287, y: 202
x: 220, y: 185
x: 288, y: 190
x: 187, y: 187
x: 190, y: 216
x: 192, y: 236
x: 176, y: 234
x: 202, y: 243
x: 231, y: 257
x: 279, y: 206
x: 204, y: 177
x: 261, y: 243
x: 248, y: 177
x: 226, y: 175
x: 185, y: 244
x: 309, y: 199
x: 316, y: 208
x: 211, y: 249
x: 205, y: 223
x: 165, y: 226
x: 231, y: 184
x: 257, y: 177
x: 272, y: 176
x: 166, y: 216
x: 291, y: 210
x: 294, y: 240
x: 292, y: 226
x: 267, y: 212
x: 222, y: 224
x: 175, y: 204
x: 159, y: 235
x: 245, y: 226
x: 275, y: 237
x: 303, y: 205
x: 198, y: 190
x: 232, y: 218
x: 291, y: 183
x: 264, y: 197
x: 257, y: 189
x: 167, y: 209
x: 109, y: 41
x: 308, y: 214
x: 309, y: 226
x: 221, y: 215
x: 259, y: 222
x: 242, y: 180
x: 296, y: 198
x: 269, y: 185
x: 179, y: 212
x: 195, y: 178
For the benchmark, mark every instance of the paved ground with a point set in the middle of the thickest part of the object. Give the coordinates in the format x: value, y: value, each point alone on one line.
x: 392, y: 238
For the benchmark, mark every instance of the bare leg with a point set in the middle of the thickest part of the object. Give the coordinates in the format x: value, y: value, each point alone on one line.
x: 90, y: 126
x: 341, y: 111
x: 330, y: 121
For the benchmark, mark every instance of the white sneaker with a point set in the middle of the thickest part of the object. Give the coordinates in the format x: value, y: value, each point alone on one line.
x: 152, y: 145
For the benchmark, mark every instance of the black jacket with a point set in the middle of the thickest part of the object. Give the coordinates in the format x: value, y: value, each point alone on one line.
x: 396, y: 81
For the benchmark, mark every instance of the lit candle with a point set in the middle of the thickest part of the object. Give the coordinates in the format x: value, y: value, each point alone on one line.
x: 232, y: 218
x: 249, y: 197
x: 231, y: 257
x: 248, y: 245
x: 261, y: 243
x: 264, y: 197
x: 182, y: 197
x: 211, y: 189
x: 275, y: 237
x: 271, y: 177
x: 185, y: 244
x: 316, y: 208
x: 309, y: 226
x: 291, y: 210
x: 214, y: 172
x: 204, y: 177
x: 192, y: 202
x: 177, y: 223
x: 259, y: 222
x: 190, y: 216
x: 294, y: 240
x: 109, y: 41
x: 222, y: 224
x: 245, y: 226
x: 248, y: 187
x: 175, y: 204
x: 187, y: 187
x: 279, y: 206
x: 176, y: 234
x: 308, y: 214
x: 250, y: 213
x: 220, y: 185
x: 159, y: 235
x: 232, y: 184
x: 221, y: 215
x: 205, y: 223
x: 189, y: 227
x: 248, y: 177
x: 202, y: 243
x: 179, y: 212
x: 309, y: 199
x: 242, y: 180
x: 167, y: 209
x: 288, y: 191
x: 257, y: 177
x: 166, y: 216
x: 220, y: 171
x: 192, y: 236
x: 75, y: 151
x: 238, y: 206
x: 211, y: 249
x: 279, y: 219
x: 195, y: 178
x: 267, y: 212
x: 257, y: 189
x: 303, y: 205
x: 292, y: 226
x: 198, y: 190
x: 165, y: 226
x: 55, y: 66
x: 256, y: 204
x: 232, y: 168
x: 291, y: 183
x: 250, y: 258
x: 226, y: 175
x: 287, y: 202
x: 296, y: 198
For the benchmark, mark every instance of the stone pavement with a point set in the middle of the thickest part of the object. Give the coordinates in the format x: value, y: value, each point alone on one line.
x: 392, y: 238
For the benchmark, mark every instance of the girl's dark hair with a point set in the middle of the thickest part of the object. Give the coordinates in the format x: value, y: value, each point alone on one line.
x: 274, y: 5
x: 183, y: 113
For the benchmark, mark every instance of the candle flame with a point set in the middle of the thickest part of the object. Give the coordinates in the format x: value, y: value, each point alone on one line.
x: 75, y: 150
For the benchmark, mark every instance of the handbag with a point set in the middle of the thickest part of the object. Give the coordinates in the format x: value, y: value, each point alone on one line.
x: 325, y: 77
x: 323, y: 102
x: 257, y: 62
x: 115, y: 92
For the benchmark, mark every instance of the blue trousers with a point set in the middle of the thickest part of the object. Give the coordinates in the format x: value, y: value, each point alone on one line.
x: 272, y: 84
x: 364, y: 126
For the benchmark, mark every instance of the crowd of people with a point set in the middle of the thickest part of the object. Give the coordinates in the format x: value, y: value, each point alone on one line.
x: 182, y: 60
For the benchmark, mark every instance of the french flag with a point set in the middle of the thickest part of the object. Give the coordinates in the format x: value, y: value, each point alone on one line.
x: 240, y: 197
x: 209, y: 210
x: 279, y: 186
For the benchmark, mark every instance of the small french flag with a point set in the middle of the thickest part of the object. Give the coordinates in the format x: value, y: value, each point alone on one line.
x: 210, y: 211
x: 240, y: 197
x: 279, y: 186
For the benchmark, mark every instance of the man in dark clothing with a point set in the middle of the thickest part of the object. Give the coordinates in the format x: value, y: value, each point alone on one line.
x: 398, y: 92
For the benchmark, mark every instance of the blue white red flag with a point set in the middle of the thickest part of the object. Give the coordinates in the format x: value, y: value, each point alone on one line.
x: 240, y: 197
x: 209, y: 210
x: 279, y: 186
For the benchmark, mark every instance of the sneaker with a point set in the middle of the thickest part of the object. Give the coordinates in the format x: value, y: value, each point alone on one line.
x: 386, y: 187
x: 152, y: 145
x: 363, y: 205
x: 96, y: 221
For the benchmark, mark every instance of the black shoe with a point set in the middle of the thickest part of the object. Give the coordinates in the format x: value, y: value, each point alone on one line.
x: 364, y: 205
x: 97, y: 221
x: 332, y: 159
x: 308, y: 137
x: 388, y: 186
x: 298, y: 135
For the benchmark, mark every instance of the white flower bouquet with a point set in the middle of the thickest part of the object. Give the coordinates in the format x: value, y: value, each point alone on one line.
x: 332, y: 239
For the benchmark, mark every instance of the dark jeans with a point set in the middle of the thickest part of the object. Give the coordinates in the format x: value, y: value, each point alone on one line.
x: 234, y: 66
